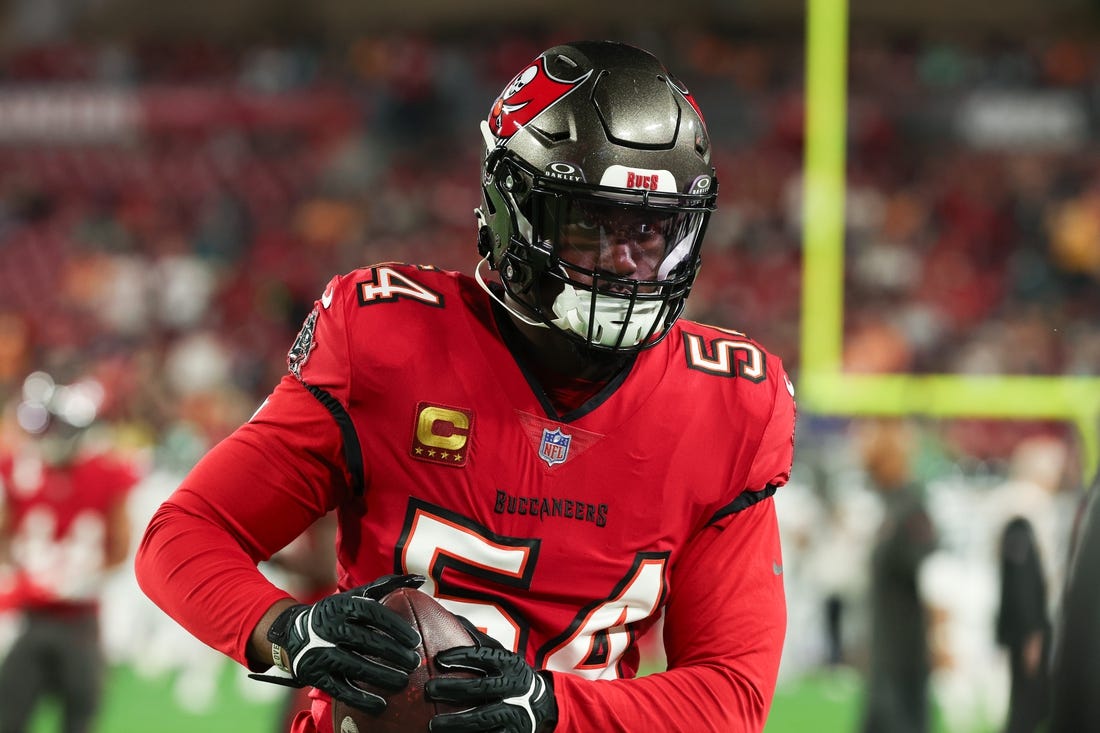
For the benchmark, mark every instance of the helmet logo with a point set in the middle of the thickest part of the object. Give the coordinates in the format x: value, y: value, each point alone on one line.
x: 526, y: 96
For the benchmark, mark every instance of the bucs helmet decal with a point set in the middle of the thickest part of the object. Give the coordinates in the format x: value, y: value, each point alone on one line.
x: 531, y: 92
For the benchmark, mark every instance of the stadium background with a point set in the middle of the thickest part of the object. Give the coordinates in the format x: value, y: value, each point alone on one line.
x: 178, y: 181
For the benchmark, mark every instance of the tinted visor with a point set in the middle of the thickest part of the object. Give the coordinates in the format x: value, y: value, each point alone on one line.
x: 644, y: 244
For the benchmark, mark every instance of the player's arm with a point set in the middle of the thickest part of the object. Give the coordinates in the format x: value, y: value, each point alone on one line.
x: 724, y: 629
x: 246, y: 498
x: 251, y: 495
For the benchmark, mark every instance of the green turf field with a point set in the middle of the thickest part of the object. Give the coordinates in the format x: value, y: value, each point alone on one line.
x: 823, y: 704
x: 137, y: 705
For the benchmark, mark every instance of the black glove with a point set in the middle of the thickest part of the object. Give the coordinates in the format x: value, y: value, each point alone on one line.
x: 509, y: 697
x: 325, y: 645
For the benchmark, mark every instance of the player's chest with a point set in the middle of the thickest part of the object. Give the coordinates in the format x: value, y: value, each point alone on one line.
x: 509, y: 467
x: 484, y: 495
x: 531, y: 551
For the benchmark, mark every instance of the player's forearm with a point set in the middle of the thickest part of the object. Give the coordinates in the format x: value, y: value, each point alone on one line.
x: 202, y: 578
x: 723, y: 635
x: 260, y: 652
x: 698, y: 699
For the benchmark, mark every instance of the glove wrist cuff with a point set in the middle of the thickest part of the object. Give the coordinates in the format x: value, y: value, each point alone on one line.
x: 279, y: 631
x: 550, y: 721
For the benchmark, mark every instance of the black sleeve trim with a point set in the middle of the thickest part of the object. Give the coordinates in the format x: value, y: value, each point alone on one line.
x: 743, y: 501
x: 353, y: 454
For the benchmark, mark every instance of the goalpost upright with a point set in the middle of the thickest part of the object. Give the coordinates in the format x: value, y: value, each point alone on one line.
x: 824, y: 387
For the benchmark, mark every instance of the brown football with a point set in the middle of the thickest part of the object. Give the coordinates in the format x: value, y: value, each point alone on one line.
x: 408, y: 711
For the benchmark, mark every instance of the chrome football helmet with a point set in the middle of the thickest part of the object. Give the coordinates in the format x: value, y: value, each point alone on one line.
x: 596, y: 191
x: 56, y: 416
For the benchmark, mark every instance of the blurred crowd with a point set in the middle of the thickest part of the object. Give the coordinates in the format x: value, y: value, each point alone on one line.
x: 169, y: 211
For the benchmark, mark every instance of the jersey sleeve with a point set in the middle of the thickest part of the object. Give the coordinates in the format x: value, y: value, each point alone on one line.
x: 771, y: 466
x: 724, y: 636
x: 257, y: 490
x: 245, y: 499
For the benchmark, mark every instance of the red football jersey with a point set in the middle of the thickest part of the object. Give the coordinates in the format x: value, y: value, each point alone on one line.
x: 563, y: 536
x: 58, y: 519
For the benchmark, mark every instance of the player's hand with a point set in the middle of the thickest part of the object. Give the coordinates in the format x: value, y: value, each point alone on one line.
x: 509, y: 696
x: 348, y: 636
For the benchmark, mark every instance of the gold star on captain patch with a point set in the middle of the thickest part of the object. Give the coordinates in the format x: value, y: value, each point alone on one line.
x: 444, y: 455
x: 419, y: 451
x: 458, y: 456
x: 431, y: 453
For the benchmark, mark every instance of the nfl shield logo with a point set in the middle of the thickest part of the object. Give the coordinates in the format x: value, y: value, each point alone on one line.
x: 555, y: 446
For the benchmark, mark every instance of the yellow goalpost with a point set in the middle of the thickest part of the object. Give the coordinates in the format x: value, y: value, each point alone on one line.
x: 823, y: 386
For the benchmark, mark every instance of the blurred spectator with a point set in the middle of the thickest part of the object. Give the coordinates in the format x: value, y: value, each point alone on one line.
x: 897, y: 692
x: 1033, y: 513
x: 1038, y: 488
x: 1074, y: 704
x: 1023, y: 626
x: 63, y: 526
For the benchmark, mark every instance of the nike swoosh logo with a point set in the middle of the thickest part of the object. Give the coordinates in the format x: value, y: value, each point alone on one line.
x: 777, y: 568
x: 326, y: 298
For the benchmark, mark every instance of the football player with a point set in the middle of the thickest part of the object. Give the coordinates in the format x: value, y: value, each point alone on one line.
x: 546, y: 447
x: 63, y: 526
